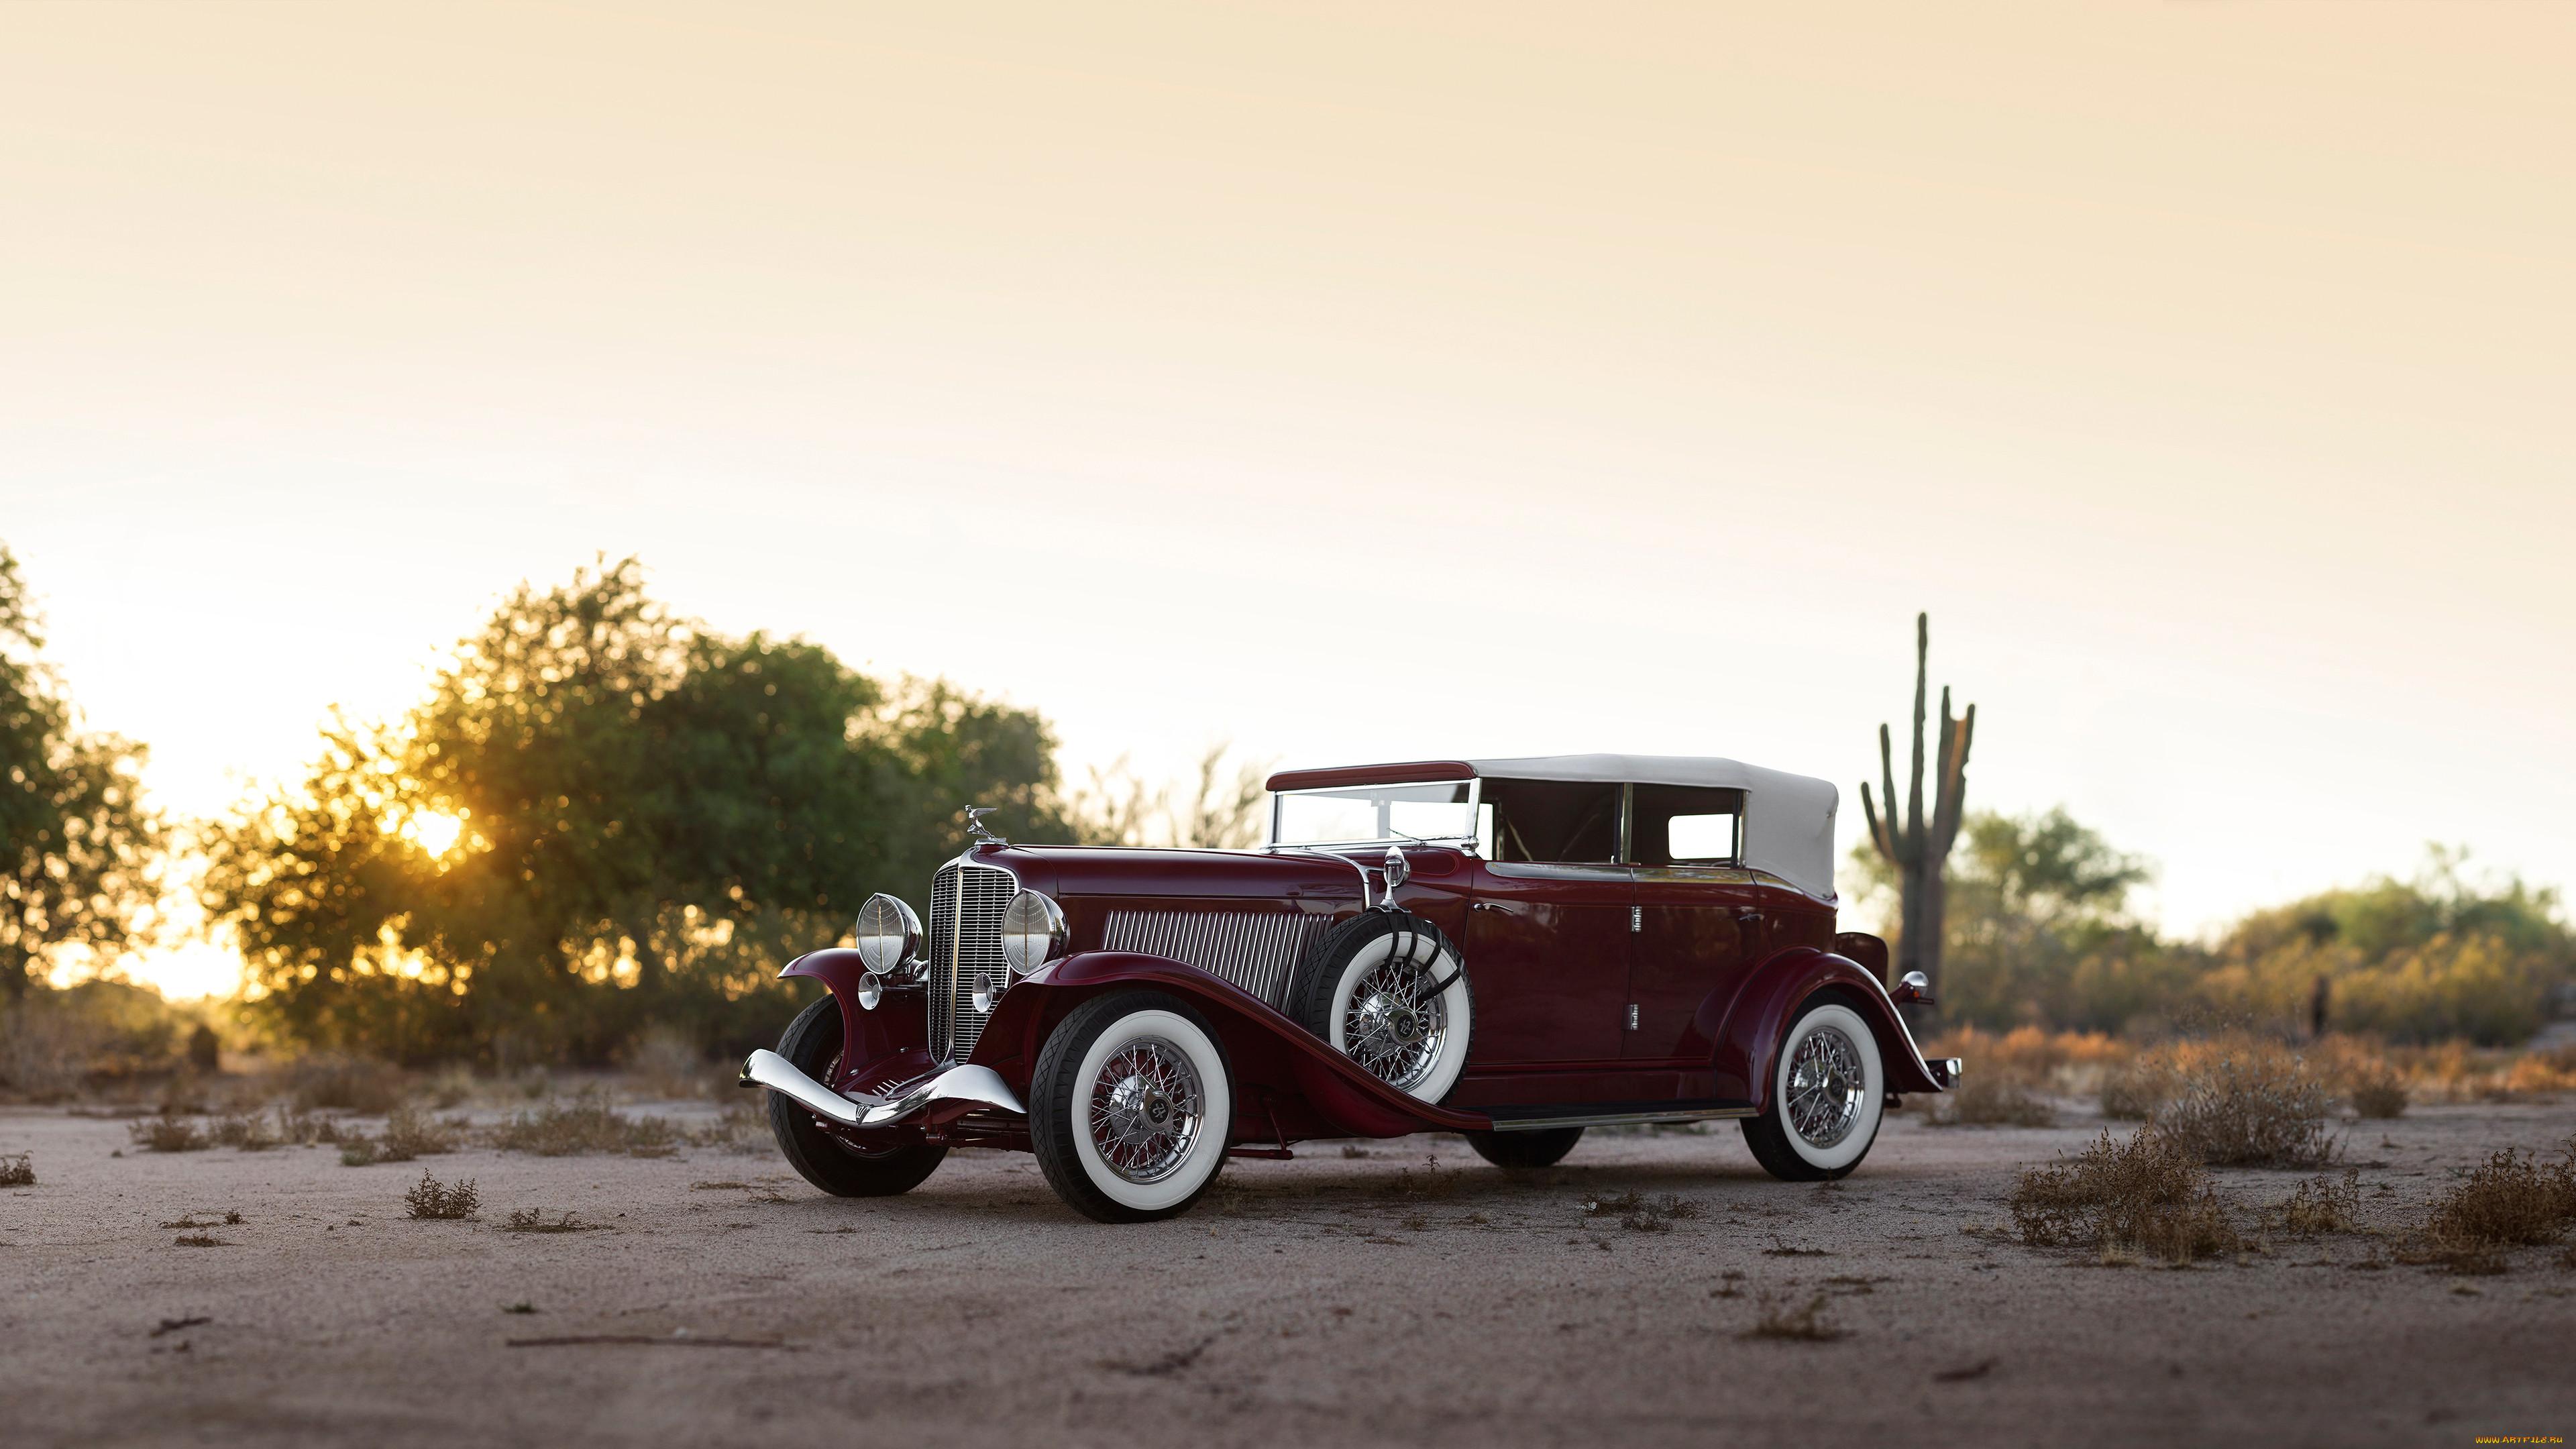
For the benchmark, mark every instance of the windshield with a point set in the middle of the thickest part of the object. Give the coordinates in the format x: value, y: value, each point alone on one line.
x: 1365, y: 814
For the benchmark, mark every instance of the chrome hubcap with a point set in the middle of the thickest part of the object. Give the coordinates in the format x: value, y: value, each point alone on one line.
x: 1147, y: 1109
x: 1396, y: 1023
x: 1826, y: 1087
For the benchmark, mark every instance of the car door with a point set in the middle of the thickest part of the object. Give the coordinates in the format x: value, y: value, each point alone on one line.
x: 1698, y: 919
x: 1548, y: 927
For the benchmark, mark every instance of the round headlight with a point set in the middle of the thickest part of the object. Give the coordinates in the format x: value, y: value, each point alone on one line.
x: 889, y: 934
x: 1033, y: 932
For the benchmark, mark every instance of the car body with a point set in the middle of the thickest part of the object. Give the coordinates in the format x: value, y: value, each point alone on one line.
x: 1513, y: 949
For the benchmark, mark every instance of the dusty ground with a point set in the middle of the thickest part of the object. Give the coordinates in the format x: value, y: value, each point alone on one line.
x: 1309, y: 1302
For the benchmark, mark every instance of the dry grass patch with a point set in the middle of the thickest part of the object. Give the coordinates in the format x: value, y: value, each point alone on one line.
x: 2325, y: 1205
x: 2510, y: 1200
x: 2249, y: 1104
x: 18, y: 1170
x: 2149, y: 1194
x: 1641, y: 1214
x: 169, y: 1134
x: 1989, y: 1101
x: 1809, y: 1324
x: 534, y: 1221
x: 586, y: 1124
x: 431, y: 1198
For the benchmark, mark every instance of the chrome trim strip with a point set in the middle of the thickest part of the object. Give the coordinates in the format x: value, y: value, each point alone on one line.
x: 981, y: 1085
x: 1624, y: 1119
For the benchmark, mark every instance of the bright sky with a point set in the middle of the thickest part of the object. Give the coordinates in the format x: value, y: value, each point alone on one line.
x: 1356, y: 382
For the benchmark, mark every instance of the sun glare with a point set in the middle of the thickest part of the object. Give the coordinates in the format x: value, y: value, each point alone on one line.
x: 434, y: 831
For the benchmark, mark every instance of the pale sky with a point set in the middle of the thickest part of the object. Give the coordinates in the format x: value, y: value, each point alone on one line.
x: 1356, y: 382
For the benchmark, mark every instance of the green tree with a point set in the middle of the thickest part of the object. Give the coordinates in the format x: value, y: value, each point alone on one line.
x: 602, y: 817
x: 82, y: 848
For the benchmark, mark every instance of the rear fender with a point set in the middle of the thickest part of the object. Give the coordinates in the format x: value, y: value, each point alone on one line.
x: 1288, y: 1083
x: 899, y: 1027
x: 1751, y: 1036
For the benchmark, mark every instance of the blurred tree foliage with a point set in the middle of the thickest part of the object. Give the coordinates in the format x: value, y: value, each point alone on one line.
x: 82, y: 849
x: 603, y: 817
x: 2040, y: 933
x: 1225, y: 808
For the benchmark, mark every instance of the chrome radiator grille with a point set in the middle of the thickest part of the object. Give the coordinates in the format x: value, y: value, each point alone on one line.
x: 1253, y: 950
x: 966, y: 903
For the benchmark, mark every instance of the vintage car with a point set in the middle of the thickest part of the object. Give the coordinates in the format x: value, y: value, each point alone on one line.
x: 1514, y: 950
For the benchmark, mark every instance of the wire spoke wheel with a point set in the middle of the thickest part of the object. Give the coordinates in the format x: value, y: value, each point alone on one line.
x: 1147, y: 1108
x: 1827, y: 1086
x: 1396, y: 1021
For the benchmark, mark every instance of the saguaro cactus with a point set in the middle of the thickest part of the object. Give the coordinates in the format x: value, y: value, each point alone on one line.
x: 1919, y: 849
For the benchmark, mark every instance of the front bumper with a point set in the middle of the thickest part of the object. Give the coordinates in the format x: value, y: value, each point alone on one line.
x: 976, y: 1086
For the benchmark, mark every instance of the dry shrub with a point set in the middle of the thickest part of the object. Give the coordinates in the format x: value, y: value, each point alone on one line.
x: 358, y: 1150
x: 246, y: 1131
x: 18, y: 1170
x: 1811, y: 1324
x: 1432, y: 1183
x: 431, y: 1198
x: 587, y: 1124
x: 1989, y: 1101
x: 2149, y: 1193
x: 2378, y: 1095
x: 2510, y: 1200
x: 2133, y: 1093
x: 2325, y: 1205
x: 2243, y: 1103
x: 352, y: 1084
x: 168, y: 1134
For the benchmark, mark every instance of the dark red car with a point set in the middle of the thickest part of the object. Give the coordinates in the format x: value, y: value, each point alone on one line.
x: 1510, y: 949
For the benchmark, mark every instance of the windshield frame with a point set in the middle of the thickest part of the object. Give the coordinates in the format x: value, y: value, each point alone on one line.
x: 1467, y: 841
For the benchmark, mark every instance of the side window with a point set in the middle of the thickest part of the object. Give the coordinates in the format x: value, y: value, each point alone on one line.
x: 1558, y: 821
x: 1682, y: 825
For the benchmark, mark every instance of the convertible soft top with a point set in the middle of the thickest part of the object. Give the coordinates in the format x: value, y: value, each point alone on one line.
x: 1788, y: 819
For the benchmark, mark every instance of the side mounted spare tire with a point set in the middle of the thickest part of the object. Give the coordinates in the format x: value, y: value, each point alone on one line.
x: 1390, y: 992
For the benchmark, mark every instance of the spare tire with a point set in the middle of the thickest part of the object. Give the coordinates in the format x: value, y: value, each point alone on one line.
x: 1390, y: 992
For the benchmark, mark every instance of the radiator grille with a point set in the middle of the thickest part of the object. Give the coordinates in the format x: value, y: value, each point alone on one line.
x: 1253, y: 950
x: 966, y: 903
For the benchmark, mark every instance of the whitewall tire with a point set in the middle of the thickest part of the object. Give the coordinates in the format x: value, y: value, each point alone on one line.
x: 1828, y: 1092
x: 1130, y: 1107
x: 1388, y: 991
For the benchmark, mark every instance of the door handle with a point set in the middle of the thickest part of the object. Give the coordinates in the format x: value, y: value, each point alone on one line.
x: 1492, y: 906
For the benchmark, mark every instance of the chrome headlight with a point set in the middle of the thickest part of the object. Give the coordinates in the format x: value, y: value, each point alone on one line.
x: 1033, y: 932
x: 889, y: 935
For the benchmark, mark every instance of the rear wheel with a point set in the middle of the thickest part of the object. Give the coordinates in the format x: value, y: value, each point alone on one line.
x: 1525, y: 1149
x: 1130, y: 1106
x: 896, y: 1163
x: 1828, y: 1090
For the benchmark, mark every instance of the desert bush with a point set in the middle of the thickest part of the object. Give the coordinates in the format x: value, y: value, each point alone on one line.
x: 2243, y: 1103
x: 534, y: 1221
x: 2378, y: 1095
x: 18, y: 1170
x: 2149, y: 1192
x: 2325, y: 1205
x: 168, y: 1134
x: 1989, y: 1102
x: 358, y: 1151
x: 430, y: 1198
x: 352, y: 1084
x: 586, y: 1124
x: 247, y: 1131
x: 2133, y: 1093
x: 2510, y: 1200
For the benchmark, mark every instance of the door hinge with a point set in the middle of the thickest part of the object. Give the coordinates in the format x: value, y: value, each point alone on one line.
x: 1636, y: 919
x: 1632, y: 1016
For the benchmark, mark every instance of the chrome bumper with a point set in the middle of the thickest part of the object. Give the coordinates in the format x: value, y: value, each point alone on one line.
x: 980, y: 1085
x: 1946, y: 1071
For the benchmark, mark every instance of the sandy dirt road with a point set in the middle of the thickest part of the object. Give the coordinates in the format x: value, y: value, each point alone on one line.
x: 1310, y: 1302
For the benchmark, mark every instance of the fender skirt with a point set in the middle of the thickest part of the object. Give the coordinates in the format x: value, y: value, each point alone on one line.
x: 1278, y: 1065
x: 1759, y: 1016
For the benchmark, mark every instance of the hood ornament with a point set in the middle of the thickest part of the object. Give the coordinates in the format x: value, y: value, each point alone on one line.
x: 975, y: 824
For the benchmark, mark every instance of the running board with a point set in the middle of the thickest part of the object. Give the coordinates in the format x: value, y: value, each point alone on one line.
x: 1609, y: 1114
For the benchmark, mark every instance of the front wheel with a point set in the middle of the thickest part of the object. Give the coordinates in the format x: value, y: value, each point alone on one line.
x: 893, y: 1161
x: 1130, y: 1106
x: 1827, y: 1091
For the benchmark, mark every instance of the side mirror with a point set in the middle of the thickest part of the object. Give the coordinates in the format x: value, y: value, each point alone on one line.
x: 1913, y: 989
x: 1398, y: 870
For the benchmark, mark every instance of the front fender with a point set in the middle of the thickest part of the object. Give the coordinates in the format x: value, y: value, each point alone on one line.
x: 900, y: 1025
x: 1278, y: 1065
x: 1750, y: 1039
